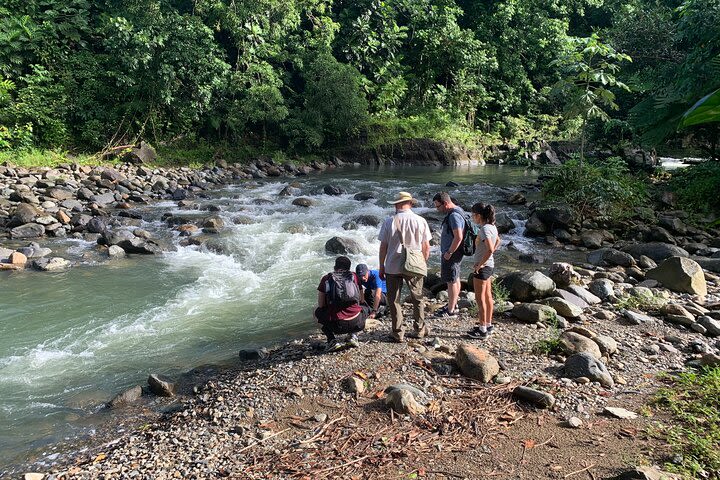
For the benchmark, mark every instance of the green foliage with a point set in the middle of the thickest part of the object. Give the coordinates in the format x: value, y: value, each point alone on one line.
x: 706, y: 110
x: 693, y: 400
x: 500, y: 293
x: 696, y: 187
x: 596, y: 188
x: 641, y: 302
x: 589, y: 74
x: 550, y: 344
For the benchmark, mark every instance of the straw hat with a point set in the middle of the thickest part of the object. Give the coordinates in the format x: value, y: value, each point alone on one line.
x: 401, y: 197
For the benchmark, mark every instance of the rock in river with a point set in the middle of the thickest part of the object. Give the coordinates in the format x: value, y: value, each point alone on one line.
x: 161, y: 385
x: 342, y: 246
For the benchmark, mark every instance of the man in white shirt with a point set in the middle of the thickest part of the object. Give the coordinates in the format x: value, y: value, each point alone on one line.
x: 404, y: 229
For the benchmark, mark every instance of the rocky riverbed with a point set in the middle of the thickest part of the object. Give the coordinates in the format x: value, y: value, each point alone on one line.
x: 581, y: 338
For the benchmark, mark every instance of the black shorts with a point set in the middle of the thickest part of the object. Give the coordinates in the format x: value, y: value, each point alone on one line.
x: 484, y: 274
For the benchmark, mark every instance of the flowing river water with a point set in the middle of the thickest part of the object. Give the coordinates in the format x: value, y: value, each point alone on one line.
x: 69, y: 341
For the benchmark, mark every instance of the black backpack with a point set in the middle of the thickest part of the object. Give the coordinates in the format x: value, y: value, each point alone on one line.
x: 341, y: 289
x: 469, y: 234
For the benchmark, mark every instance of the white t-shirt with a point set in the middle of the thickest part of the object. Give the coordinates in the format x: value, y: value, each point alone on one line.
x: 490, y: 232
x: 415, y: 232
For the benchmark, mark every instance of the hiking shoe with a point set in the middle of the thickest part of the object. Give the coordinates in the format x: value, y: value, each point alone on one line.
x: 489, y: 330
x: 397, y: 337
x: 352, y: 341
x: 333, y: 346
x: 477, y: 334
x: 445, y: 313
x: 421, y: 332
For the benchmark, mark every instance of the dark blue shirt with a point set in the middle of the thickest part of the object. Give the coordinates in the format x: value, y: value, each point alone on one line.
x: 374, y: 281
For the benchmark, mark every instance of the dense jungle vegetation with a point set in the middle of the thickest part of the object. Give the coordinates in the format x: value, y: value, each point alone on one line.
x: 308, y: 75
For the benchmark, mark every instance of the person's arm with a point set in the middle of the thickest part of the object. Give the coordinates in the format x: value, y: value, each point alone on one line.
x: 457, y: 239
x: 321, y: 299
x: 426, y: 250
x: 381, y: 258
x: 491, y: 246
x: 376, y: 299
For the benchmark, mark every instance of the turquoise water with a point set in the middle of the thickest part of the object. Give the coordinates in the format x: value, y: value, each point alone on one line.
x: 69, y: 341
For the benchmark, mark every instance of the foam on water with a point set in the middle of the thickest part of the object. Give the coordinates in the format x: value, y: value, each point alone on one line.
x: 92, y: 331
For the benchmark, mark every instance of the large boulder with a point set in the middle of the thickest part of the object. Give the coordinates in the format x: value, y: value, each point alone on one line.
x: 657, y: 251
x: 504, y: 223
x: 711, y: 325
x: 571, y: 297
x: 476, y: 363
x: 24, y: 213
x: 595, y: 238
x: 563, y: 274
x: 710, y: 264
x: 556, y: 217
x: 161, y: 386
x: 139, y: 246
x: 534, y: 226
x: 29, y: 230
x: 51, y: 264
x: 529, y: 286
x: 572, y: 342
x: 602, y: 288
x: 304, y: 202
x: 533, y: 312
x: 610, y: 256
x: 342, y: 246
x: 144, y: 153
x: 680, y: 275
x: 404, y: 402
x: 585, y: 365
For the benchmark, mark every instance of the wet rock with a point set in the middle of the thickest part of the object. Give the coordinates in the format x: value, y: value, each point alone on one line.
x: 115, y: 252
x: 304, y: 202
x: 572, y: 342
x: 656, y: 251
x: 139, y: 246
x: 534, y: 226
x: 504, y: 223
x: 525, y: 287
x: 537, y: 398
x: 161, y: 386
x: 363, y: 196
x: 97, y: 225
x: 342, y: 246
x: 127, y: 397
x: 611, y: 256
x: 29, y: 230
x: 50, y: 264
x: 516, y: 199
x: 476, y: 363
x: 213, y: 224
x: 534, y: 313
x: 369, y: 220
x: 17, y: 258
x: 114, y: 237
x: 333, y: 190
x: 680, y: 275
x: 585, y: 365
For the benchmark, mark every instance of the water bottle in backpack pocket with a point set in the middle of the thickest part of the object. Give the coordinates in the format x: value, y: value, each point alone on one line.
x: 341, y: 289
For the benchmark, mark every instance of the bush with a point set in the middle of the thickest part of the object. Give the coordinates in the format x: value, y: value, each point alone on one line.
x: 697, y: 187
x: 597, y: 188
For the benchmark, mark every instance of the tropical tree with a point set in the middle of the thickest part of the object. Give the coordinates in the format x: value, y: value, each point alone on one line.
x: 590, y: 68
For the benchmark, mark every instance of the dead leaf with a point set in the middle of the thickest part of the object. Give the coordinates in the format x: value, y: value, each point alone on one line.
x: 100, y: 457
x: 529, y: 443
x: 361, y: 374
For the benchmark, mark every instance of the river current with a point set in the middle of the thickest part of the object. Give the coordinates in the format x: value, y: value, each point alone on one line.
x: 71, y: 340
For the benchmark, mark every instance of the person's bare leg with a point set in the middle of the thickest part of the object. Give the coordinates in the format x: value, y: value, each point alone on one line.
x: 490, y: 304
x: 478, y: 289
x: 453, y: 295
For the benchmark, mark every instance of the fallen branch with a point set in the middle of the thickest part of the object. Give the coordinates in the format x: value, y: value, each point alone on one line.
x: 263, y: 440
x: 341, y: 466
x: 579, y: 471
x: 322, y: 430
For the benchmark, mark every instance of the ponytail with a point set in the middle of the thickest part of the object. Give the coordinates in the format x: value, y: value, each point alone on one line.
x: 487, y: 212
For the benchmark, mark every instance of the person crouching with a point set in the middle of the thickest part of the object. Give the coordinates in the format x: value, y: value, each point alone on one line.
x: 338, y: 309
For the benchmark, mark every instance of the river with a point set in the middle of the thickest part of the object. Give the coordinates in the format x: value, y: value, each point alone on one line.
x: 69, y: 341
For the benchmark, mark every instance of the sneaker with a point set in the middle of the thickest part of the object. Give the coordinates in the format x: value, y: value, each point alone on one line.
x: 333, y: 346
x: 489, y: 330
x: 445, y: 313
x: 477, y: 334
x: 352, y: 341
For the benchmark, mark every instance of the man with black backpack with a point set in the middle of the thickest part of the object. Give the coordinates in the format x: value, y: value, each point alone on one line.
x: 452, y: 236
x: 339, y: 310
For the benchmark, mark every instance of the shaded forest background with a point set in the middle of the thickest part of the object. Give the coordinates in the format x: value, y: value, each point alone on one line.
x: 308, y: 75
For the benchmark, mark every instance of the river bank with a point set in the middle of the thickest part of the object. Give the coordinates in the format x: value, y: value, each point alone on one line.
x: 575, y: 243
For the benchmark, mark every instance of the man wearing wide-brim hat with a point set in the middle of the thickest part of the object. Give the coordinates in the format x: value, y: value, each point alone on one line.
x: 403, y: 231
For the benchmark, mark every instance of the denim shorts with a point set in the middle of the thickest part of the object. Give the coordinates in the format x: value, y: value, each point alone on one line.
x: 484, y: 274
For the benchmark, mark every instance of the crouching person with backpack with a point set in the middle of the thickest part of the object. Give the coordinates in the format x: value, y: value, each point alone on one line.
x: 339, y: 310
